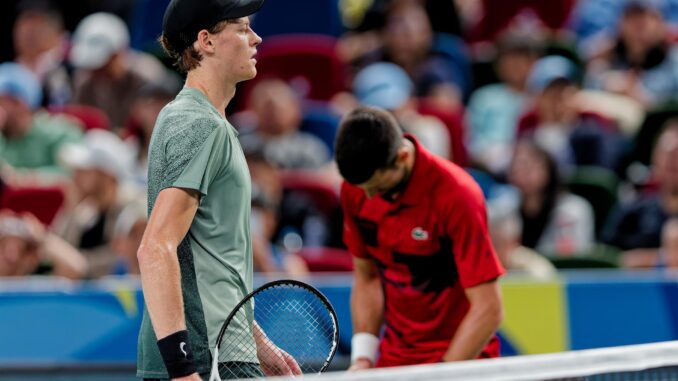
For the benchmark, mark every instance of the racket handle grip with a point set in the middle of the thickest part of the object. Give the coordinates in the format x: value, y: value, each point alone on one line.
x: 364, y: 345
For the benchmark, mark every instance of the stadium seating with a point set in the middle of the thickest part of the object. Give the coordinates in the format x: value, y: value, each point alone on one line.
x: 90, y: 117
x: 599, y: 187
x: 600, y: 257
x: 325, y: 199
x: 43, y: 203
x: 323, y: 123
x: 313, y: 17
x: 455, y: 126
x: 454, y: 51
x: 309, y: 63
x: 146, y: 23
x: 326, y: 259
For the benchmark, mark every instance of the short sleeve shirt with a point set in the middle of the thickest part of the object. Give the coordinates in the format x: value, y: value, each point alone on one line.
x: 429, y: 245
x: 194, y: 147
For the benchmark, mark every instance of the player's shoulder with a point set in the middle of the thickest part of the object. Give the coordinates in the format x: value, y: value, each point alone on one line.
x: 185, y: 116
x: 454, y: 183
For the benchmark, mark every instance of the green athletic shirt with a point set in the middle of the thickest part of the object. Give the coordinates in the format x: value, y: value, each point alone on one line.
x: 194, y: 147
x: 38, y: 148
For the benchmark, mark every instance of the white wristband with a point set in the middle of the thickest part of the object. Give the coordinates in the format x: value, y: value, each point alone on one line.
x: 364, y: 345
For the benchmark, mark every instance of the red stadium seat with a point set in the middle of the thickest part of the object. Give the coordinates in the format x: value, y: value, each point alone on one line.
x: 90, y: 117
x: 455, y: 126
x: 43, y: 203
x: 324, y: 197
x: 309, y: 63
x: 326, y: 259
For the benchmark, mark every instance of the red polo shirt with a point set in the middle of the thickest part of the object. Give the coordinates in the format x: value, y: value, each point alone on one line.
x: 429, y: 245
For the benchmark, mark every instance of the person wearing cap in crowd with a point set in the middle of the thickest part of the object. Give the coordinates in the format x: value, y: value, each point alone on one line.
x: 424, y: 267
x: 386, y: 85
x: 29, y: 138
x: 110, y: 74
x: 41, y: 45
x: 199, y: 199
x: 27, y: 248
x: 100, y: 167
x: 574, y: 137
x: 641, y: 60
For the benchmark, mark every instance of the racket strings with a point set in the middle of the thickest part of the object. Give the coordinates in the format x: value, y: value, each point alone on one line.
x: 299, y: 331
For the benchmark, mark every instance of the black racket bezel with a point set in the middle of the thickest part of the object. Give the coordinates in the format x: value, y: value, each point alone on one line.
x: 297, y: 283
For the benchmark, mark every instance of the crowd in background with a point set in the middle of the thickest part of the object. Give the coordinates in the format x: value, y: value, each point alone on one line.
x: 564, y: 111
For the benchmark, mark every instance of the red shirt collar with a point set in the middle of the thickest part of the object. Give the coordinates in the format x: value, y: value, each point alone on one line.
x: 420, y: 179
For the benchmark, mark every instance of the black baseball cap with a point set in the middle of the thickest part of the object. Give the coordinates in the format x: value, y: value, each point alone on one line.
x: 185, y: 18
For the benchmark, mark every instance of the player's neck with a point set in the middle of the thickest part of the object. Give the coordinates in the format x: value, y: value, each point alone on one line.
x: 409, y: 164
x: 397, y: 190
x: 218, y: 92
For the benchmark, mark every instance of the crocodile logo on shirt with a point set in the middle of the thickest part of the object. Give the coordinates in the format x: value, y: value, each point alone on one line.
x: 419, y: 234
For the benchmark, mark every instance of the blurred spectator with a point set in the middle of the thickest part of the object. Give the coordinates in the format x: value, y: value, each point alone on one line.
x: 554, y: 222
x: 388, y: 86
x: 26, y: 248
x: 669, y: 249
x: 266, y: 197
x: 408, y: 41
x: 30, y: 139
x: 557, y: 122
x: 141, y: 121
x: 367, y: 15
x: 99, y: 167
x: 493, y: 110
x: 637, y: 227
x: 594, y: 21
x: 273, y: 129
x: 641, y: 62
x: 110, y: 75
x: 364, y: 19
x: 505, y: 230
x: 127, y: 233
x: 41, y: 45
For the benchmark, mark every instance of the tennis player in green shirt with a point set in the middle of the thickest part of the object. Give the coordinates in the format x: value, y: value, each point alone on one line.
x: 196, y: 254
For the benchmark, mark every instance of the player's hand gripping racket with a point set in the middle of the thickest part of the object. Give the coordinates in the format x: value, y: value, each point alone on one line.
x: 282, y: 328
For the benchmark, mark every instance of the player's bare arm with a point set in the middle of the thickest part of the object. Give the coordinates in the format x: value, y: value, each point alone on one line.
x: 160, y: 277
x: 480, y: 323
x: 367, y: 310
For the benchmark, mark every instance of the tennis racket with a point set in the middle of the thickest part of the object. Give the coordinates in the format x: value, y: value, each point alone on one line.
x: 282, y: 328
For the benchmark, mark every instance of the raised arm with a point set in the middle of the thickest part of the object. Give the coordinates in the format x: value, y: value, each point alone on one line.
x: 168, y: 224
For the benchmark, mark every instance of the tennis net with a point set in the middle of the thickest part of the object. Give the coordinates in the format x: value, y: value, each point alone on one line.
x: 652, y: 362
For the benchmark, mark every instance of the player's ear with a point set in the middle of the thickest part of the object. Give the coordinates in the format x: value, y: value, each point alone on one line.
x: 204, y: 42
x: 403, y: 154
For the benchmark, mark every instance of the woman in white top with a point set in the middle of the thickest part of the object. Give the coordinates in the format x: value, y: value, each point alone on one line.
x: 554, y: 222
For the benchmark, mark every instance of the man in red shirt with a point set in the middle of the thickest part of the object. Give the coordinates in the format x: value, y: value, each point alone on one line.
x: 424, y: 265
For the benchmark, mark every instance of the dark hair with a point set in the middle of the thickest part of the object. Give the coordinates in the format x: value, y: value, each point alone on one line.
x: 46, y: 8
x: 367, y: 140
x: 189, y: 58
x: 550, y: 192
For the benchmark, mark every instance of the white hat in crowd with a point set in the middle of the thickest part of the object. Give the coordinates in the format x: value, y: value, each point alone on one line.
x: 100, y: 149
x: 96, y: 39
